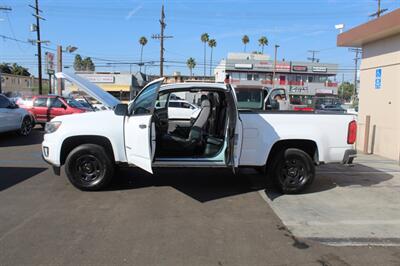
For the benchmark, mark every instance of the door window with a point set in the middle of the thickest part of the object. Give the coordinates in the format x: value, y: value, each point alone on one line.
x: 4, y: 102
x: 56, y: 103
x: 145, y: 102
x: 40, y: 102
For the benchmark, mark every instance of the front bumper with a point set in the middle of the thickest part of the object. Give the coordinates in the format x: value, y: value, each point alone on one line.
x: 349, y: 156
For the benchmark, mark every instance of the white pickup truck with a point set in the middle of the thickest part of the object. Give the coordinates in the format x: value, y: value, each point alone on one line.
x: 285, y: 146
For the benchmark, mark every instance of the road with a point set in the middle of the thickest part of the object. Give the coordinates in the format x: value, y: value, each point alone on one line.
x: 175, y: 217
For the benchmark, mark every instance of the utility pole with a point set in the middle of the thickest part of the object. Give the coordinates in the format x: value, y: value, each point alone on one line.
x: 379, y: 11
x: 161, y: 37
x: 38, y: 43
x: 3, y: 8
x: 274, y: 70
x: 59, y: 69
x: 358, y: 51
x: 313, y: 58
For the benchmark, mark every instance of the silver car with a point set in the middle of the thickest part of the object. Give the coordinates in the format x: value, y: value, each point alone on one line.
x: 13, y: 118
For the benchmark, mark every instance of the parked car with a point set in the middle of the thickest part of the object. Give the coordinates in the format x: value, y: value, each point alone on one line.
x: 331, y: 108
x: 286, y: 146
x: 45, y: 108
x: 181, y: 109
x: 13, y: 118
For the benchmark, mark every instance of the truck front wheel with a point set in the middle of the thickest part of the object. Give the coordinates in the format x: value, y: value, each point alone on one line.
x: 293, y: 171
x: 88, y: 167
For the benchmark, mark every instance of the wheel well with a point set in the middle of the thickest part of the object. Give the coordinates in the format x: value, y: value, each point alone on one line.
x: 72, y: 142
x: 308, y: 146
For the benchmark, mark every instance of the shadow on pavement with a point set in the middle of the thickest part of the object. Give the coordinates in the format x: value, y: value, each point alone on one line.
x: 13, y: 139
x: 200, y: 184
x: 336, y: 175
x: 10, y: 176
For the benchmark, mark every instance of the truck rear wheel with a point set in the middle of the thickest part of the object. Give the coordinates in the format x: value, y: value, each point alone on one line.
x: 88, y: 167
x: 293, y: 171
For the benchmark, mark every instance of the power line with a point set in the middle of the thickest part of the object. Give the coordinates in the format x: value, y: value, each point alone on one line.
x: 313, y: 58
x: 379, y: 11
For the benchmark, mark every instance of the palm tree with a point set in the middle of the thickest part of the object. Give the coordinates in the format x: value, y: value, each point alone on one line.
x: 212, y: 43
x: 245, y: 41
x: 191, y: 63
x: 263, y: 41
x: 142, y: 42
x: 204, y: 38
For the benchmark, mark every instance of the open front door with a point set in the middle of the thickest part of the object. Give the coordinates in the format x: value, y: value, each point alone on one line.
x: 139, y: 130
x: 232, y: 154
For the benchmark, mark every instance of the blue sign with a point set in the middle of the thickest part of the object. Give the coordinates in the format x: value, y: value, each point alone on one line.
x: 378, y: 78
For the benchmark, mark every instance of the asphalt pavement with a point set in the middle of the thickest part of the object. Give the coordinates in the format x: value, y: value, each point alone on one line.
x: 174, y: 217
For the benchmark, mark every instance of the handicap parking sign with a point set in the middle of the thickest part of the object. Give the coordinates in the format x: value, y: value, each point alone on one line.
x: 378, y: 73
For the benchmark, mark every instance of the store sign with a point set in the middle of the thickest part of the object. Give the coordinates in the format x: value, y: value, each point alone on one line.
x: 319, y: 69
x: 324, y: 91
x: 244, y: 66
x: 100, y: 79
x: 282, y: 67
x: 50, y: 69
x: 264, y: 64
x: 300, y: 90
x: 378, y: 78
x: 300, y: 68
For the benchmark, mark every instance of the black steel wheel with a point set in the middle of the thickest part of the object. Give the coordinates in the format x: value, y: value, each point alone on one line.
x: 26, y: 126
x: 88, y: 167
x: 293, y: 171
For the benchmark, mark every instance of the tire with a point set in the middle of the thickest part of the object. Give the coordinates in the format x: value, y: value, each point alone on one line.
x: 293, y: 171
x: 89, y: 168
x: 26, y: 126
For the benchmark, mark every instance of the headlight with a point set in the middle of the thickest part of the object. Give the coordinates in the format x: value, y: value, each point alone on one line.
x: 52, y: 127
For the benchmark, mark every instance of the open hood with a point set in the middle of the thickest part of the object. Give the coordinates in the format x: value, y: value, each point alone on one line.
x: 91, y: 89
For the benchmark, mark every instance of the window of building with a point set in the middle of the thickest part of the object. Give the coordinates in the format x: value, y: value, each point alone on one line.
x: 249, y: 77
x: 310, y: 79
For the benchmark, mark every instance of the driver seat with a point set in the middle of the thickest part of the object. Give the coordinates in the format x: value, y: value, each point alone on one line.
x: 194, y: 143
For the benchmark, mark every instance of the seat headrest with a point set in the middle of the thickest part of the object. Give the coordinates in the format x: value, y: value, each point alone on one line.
x: 205, y: 102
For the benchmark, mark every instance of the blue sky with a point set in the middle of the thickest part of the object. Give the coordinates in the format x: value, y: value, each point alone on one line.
x: 110, y: 30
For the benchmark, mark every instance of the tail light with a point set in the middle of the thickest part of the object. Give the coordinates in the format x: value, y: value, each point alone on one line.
x: 352, y: 132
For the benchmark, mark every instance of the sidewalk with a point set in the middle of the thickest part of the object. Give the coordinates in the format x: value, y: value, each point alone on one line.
x: 356, y: 205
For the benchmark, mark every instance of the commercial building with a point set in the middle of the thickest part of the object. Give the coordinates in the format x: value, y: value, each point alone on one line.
x: 177, y: 77
x: 123, y: 86
x: 302, y: 80
x: 379, y: 94
x: 20, y: 84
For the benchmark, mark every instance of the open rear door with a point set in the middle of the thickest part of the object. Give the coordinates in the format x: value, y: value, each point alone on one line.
x: 232, y: 154
x: 139, y: 130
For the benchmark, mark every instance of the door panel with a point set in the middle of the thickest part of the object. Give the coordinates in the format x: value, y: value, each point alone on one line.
x: 137, y: 141
x: 40, y: 110
x: 139, y: 138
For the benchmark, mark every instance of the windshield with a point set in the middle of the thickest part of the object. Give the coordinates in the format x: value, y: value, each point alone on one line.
x: 73, y: 103
x: 249, y: 99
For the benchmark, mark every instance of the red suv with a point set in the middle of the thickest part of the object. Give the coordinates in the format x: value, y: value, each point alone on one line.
x: 45, y: 108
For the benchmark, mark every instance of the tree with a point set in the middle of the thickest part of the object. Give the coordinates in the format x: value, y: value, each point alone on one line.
x: 19, y: 70
x: 142, y: 42
x: 5, y: 68
x: 263, y: 41
x: 191, y: 63
x: 83, y: 65
x: 212, y: 43
x: 78, y: 63
x: 204, y: 38
x: 346, y: 91
x: 88, y: 65
x: 245, y: 41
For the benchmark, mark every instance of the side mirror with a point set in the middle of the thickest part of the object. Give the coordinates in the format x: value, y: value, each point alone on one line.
x: 121, y: 109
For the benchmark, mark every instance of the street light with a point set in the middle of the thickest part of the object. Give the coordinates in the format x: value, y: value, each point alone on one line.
x: 274, y: 70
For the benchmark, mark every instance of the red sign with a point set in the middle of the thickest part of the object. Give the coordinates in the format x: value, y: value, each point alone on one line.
x: 299, y: 68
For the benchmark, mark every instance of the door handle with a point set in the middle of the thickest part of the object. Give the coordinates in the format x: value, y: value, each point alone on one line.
x: 142, y: 126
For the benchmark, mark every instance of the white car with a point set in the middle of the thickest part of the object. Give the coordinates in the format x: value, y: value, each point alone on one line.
x: 285, y: 146
x: 180, y: 109
x: 13, y: 118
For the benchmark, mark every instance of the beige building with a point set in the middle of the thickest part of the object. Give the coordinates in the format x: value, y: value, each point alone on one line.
x: 20, y: 84
x: 379, y: 92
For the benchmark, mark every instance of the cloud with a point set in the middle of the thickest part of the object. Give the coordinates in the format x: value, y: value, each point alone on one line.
x: 133, y: 12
